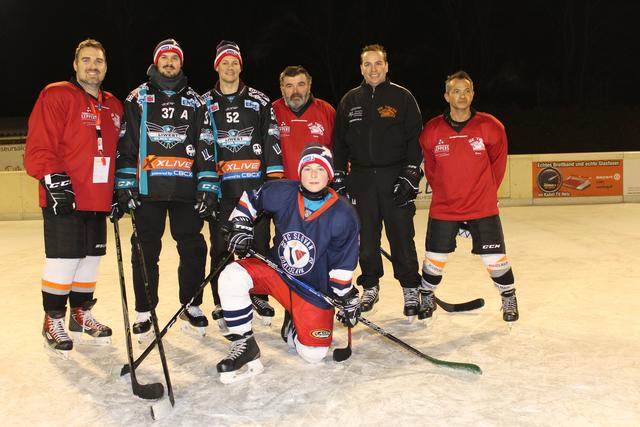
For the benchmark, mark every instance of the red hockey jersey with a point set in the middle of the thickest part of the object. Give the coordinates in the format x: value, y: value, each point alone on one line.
x: 315, y: 124
x: 62, y: 138
x: 464, y: 168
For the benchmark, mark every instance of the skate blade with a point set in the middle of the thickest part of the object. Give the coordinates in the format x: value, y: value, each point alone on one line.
x: 249, y: 370
x: 145, y: 339
x: 428, y: 321
x: 85, y: 339
x: 266, y: 320
x: 161, y: 409
x: 222, y: 326
x: 196, y: 331
x: 60, y: 354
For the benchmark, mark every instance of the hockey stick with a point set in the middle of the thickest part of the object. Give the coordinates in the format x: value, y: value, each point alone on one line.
x: 453, y: 365
x: 126, y: 368
x: 447, y: 306
x: 145, y: 391
x: 154, y: 318
x: 342, y: 354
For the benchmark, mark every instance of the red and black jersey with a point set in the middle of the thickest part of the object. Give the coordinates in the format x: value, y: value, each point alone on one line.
x: 465, y: 167
x: 62, y: 137
x: 313, y: 123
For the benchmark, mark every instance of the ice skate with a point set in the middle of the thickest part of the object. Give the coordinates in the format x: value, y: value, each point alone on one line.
x: 243, y: 360
x: 262, y: 308
x: 411, y: 303
x: 288, y: 330
x: 427, y: 305
x: 194, y: 321
x: 142, y: 328
x: 369, y: 297
x: 509, y: 307
x: 55, y: 335
x: 218, y: 315
x: 84, y: 328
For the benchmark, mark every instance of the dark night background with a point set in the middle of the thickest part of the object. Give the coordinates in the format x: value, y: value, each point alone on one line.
x: 561, y: 75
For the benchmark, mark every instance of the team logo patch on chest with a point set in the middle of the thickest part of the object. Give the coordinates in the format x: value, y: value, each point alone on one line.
x: 168, y: 136
x: 477, y: 144
x: 386, y: 111
x: 297, y: 253
x: 233, y: 139
x: 441, y: 149
x: 315, y: 128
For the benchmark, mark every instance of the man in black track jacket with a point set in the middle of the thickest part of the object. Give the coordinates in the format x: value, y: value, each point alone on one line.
x: 376, y: 133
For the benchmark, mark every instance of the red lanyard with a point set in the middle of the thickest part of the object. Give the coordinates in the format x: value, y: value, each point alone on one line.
x: 97, y: 114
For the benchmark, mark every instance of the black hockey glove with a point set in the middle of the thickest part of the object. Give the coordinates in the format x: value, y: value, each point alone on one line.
x: 405, y: 189
x: 349, y: 308
x: 60, y: 196
x: 206, y: 205
x: 339, y: 183
x: 129, y: 199
x: 240, y: 236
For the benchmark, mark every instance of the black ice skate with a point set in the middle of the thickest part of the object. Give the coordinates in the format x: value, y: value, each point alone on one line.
x: 55, y: 335
x: 288, y: 330
x: 244, y: 351
x: 509, y: 306
x: 195, y: 321
x: 85, y: 328
x: 369, y: 297
x: 218, y: 315
x: 427, y: 304
x: 262, y: 308
x: 411, y: 303
x: 142, y: 327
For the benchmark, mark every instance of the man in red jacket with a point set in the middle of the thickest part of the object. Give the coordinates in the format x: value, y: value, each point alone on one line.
x: 71, y: 146
x: 465, y: 157
x: 302, y: 118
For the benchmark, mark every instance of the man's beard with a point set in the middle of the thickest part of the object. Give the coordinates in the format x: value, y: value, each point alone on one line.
x: 168, y: 72
x: 298, y: 103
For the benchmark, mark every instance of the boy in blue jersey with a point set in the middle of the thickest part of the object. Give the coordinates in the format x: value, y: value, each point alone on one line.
x: 316, y: 240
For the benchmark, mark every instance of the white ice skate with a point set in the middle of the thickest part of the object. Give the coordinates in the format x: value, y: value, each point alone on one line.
x: 194, y: 321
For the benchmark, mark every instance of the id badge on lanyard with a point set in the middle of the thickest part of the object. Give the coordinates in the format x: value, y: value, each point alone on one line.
x: 101, y: 162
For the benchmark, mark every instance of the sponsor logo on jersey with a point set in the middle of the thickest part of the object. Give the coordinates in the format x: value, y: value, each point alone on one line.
x: 355, y: 114
x: 284, y: 128
x: 152, y: 162
x: 257, y: 149
x: 168, y: 136
x: 386, y: 111
x: 149, y: 99
x: 191, y: 151
x: 234, y: 140
x: 261, y: 97
x: 239, y: 169
x: 321, y: 333
x: 214, y: 107
x: 207, y: 137
x: 315, y: 128
x: 276, y: 148
x: 477, y: 144
x: 186, y: 102
x: 88, y: 118
x: 205, y: 155
x: 297, y: 253
x: 274, y: 131
x: 441, y: 149
x: 253, y: 105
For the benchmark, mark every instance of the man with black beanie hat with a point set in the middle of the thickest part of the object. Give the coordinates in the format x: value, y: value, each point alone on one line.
x: 248, y: 154
x: 165, y: 167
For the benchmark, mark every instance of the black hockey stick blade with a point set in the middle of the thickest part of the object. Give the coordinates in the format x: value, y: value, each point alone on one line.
x: 446, y: 306
x: 151, y: 391
x: 342, y: 354
x: 463, y: 306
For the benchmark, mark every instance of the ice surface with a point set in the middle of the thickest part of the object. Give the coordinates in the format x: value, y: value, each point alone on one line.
x: 571, y: 359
